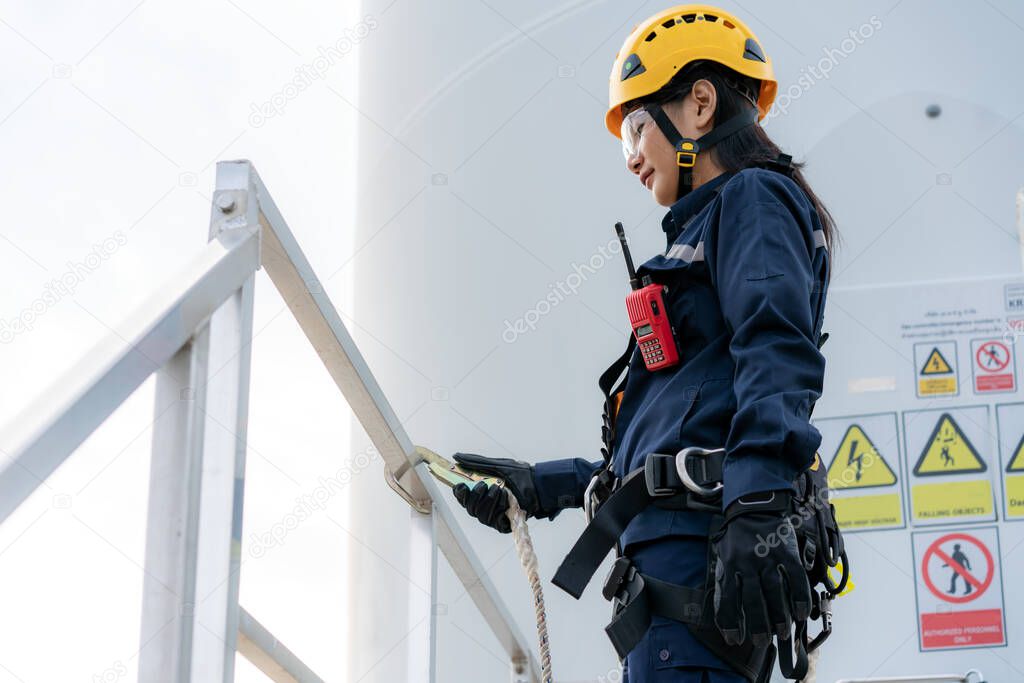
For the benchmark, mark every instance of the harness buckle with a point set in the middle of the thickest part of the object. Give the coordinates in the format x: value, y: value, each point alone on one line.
x: 623, y: 582
x: 592, y: 496
x: 657, y: 475
x: 669, y: 475
x: 683, y: 469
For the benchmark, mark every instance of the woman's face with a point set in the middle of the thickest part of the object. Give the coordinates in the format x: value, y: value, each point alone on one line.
x: 654, y: 161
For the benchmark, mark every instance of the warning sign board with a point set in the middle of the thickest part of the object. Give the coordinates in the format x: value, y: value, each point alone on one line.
x: 950, y: 477
x: 1010, y: 427
x: 935, y: 365
x: 959, y: 589
x: 863, y: 470
x: 993, y: 366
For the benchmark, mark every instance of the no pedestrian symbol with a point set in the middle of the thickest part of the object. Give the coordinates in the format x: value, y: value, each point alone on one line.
x: 993, y: 366
x: 956, y: 551
x: 993, y: 356
x: 959, y: 588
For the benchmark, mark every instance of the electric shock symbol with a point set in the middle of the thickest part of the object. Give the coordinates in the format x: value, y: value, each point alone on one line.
x: 856, y: 459
x: 936, y: 364
x: 858, y: 464
x: 936, y: 369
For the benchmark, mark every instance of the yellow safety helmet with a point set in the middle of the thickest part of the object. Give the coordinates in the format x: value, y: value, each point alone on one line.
x: 663, y: 44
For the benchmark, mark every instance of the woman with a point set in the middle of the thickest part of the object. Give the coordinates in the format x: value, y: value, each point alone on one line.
x: 745, y: 272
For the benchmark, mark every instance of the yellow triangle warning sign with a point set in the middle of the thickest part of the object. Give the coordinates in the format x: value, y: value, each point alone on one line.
x: 1016, y: 463
x: 948, y: 451
x: 857, y: 463
x: 936, y: 364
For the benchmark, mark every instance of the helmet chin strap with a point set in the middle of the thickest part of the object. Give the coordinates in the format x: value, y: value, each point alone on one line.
x: 687, y: 149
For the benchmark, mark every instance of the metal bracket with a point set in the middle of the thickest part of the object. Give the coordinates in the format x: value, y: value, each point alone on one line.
x: 235, y: 206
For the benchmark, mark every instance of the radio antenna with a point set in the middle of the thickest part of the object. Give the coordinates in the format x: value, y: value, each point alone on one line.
x: 634, y: 282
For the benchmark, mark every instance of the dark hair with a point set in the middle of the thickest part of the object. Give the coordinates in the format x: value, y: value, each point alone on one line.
x: 746, y: 148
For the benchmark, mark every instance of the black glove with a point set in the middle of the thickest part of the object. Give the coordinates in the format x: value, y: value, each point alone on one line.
x: 761, y: 585
x: 489, y: 503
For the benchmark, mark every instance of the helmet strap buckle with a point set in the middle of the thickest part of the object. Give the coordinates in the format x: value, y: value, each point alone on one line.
x: 686, y: 152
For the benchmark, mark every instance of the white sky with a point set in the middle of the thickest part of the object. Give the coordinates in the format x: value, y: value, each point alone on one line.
x: 112, y: 116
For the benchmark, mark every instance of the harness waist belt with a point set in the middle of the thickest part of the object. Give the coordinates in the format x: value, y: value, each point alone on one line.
x: 688, y: 480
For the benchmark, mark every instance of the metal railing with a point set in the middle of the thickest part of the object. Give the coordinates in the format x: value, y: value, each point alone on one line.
x: 195, y: 333
x: 972, y: 676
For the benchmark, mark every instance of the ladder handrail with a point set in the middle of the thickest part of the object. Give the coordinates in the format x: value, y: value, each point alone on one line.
x: 296, y: 280
x: 60, y: 418
x: 45, y: 434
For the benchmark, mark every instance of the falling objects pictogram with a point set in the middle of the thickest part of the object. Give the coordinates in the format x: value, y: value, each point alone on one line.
x: 948, y: 451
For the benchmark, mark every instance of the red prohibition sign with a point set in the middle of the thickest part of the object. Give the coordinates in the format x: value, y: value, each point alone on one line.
x: 979, y: 586
x: 992, y: 351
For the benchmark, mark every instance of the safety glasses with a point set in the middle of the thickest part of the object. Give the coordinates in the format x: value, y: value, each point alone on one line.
x: 633, y: 126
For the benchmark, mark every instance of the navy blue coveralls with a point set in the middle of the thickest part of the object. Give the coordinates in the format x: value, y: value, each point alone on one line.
x: 745, y: 253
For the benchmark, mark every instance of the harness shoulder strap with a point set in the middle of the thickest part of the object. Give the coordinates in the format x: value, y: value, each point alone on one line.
x: 610, y: 412
x: 609, y: 376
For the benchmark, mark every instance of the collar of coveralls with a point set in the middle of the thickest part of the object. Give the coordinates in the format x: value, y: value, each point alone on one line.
x: 690, y: 204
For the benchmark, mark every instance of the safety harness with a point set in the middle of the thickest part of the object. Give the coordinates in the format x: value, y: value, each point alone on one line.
x: 692, y: 480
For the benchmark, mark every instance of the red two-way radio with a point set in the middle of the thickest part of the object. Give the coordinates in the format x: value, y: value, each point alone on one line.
x: 648, y: 316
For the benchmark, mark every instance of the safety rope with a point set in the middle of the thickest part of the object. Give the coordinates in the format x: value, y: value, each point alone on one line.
x: 528, y: 558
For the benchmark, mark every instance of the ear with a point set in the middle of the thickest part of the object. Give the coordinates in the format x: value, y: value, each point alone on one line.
x: 706, y: 99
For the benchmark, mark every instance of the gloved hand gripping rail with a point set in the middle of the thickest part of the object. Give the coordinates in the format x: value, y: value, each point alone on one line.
x: 451, y: 475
